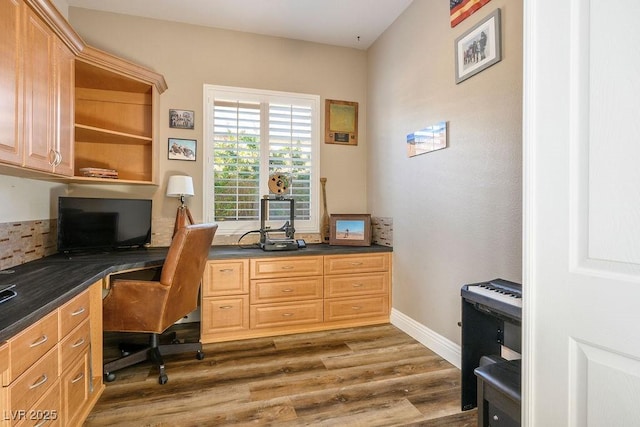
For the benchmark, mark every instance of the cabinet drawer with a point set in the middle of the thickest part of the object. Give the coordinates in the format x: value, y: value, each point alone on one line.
x: 73, y: 313
x: 32, y: 343
x: 35, y: 381
x: 347, y: 285
x: 74, y: 344
x: 282, y: 290
x: 45, y: 412
x: 352, y: 308
x: 75, y: 389
x: 361, y: 263
x: 226, y: 278
x: 286, y: 314
x: 224, y: 314
x: 265, y: 268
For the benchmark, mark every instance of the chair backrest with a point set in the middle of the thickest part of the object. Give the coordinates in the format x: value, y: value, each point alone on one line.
x: 183, y: 269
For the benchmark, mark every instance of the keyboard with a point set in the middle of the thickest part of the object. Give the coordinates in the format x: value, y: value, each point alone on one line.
x: 497, y: 292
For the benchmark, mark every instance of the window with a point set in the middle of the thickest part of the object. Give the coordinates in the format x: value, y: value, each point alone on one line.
x: 250, y: 135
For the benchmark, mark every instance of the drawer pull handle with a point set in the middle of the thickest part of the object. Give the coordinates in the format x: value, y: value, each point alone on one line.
x: 287, y: 267
x: 225, y: 307
x: 356, y: 307
x: 357, y: 263
x: 42, y: 380
x: 78, y: 343
x: 42, y: 340
x: 225, y: 270
x: 358, y: 285
x: 77, y: 378
x: 287, y: 314
x: 78, y: 311
x: 287, y: 290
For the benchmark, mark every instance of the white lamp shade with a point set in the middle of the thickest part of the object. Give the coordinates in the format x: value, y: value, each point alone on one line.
x: 180, y: 185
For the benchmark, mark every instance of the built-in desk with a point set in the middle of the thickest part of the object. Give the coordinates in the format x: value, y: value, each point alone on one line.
x: 52, y: 288
x: 45, y: 284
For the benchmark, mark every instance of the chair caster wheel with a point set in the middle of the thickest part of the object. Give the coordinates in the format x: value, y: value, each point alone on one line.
x: 109, y: 377
x: 199, y: 355
x: 162, y: 379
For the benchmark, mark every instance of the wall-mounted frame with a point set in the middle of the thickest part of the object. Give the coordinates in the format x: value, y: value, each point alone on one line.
x: 479, y: 48
x: 431, y: 138
x: 340, y: 122
x: 181, y: 119
x: 182, y: 149
x: 350, y: 229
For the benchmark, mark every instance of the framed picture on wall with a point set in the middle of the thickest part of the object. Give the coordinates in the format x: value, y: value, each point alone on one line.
x: 182, y: 149
x: 340, y: 122
x: 181, y: 119
x: 479, y: 48
x: 350, y: 229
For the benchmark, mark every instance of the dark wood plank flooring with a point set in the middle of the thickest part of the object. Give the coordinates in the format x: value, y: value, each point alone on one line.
x: 369, y: 376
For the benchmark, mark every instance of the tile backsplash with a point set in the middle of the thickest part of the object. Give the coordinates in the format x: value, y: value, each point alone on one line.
x: 26, y: 241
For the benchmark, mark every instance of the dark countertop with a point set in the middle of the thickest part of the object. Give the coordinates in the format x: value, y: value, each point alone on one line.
x: 45, y: 284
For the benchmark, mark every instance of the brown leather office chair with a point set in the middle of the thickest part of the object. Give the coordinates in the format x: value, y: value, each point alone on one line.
x: 153, y: 306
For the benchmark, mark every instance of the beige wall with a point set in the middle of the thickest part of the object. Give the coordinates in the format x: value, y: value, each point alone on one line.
x: 456, y: 212
x: 189, y: 56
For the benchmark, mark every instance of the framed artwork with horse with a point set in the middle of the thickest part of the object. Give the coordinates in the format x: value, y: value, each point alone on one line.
x: 478, y: 48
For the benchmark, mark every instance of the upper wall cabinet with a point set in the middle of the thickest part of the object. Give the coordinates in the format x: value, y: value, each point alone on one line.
x: 115, y: 127
x: 10, y: 88
x: 67, y: 107
x: 37, y: 84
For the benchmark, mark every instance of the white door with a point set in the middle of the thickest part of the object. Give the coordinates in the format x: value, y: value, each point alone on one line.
x: 582, y: 213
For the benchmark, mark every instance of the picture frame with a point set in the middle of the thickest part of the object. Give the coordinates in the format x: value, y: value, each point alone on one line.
x: 350, y: 229
x: 479, y: 48
x: 340, y: 122
x: 182, y: 149
x: 428, y: 139
x: 181, y: 119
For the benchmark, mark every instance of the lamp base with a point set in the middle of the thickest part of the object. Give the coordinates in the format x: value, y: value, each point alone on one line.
x: 183, y: 218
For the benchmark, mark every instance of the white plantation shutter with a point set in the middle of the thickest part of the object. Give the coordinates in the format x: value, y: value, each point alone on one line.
x: 290, y: 152
x: 236, y: 161
x: 249, y: 135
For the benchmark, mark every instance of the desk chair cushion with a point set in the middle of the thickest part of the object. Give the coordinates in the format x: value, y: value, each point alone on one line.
x: 153, y: 306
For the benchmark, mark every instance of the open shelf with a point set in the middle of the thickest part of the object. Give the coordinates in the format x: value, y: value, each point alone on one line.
x: 115, y: 120
x: 85, y: 133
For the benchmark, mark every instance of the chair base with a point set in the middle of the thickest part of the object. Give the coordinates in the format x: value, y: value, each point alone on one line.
x: 154, y: 351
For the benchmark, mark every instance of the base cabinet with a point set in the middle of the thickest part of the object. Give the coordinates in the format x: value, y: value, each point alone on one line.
x: 47, y: 368
x: 280, y: 295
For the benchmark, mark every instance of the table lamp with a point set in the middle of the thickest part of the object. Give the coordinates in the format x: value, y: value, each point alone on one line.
x: 181, y: 186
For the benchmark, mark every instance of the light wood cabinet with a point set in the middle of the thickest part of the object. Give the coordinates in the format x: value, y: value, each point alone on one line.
x: 75, y: 384
x: 50, y: 365
x: 357, y: 288
x: 115, y: 108
x: 268, y: 268
x: 290, y: 294
x: 37, y: 71
x: 68, y: 106
x: 225, y: 300
x: 31, y: 344
x: 10, y: 76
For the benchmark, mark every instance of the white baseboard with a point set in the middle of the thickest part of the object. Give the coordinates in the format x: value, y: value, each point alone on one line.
x: 445, y: 348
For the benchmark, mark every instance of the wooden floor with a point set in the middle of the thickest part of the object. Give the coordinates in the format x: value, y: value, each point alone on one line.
x: 370, y: 376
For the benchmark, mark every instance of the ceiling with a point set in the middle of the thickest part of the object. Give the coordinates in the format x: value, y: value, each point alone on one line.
x: 348, y: 23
